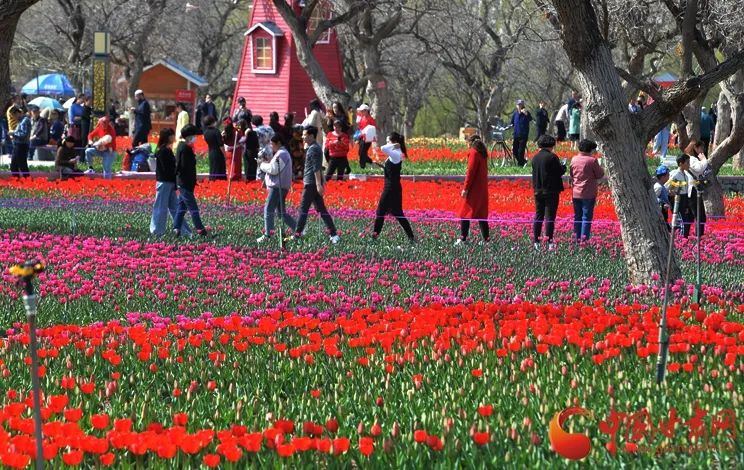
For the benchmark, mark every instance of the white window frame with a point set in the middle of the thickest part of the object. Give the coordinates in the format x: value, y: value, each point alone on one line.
x: 271, y: 70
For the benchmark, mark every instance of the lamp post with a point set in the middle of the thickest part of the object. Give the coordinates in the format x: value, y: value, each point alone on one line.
x: 25, y: 273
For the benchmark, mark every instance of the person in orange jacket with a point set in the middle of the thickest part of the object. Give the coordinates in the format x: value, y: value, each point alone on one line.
x: 337, y: 143
x: 102, y: 142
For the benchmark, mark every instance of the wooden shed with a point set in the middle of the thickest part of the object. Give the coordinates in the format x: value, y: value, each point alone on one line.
x: 270, y: 77
x: 165, y: 83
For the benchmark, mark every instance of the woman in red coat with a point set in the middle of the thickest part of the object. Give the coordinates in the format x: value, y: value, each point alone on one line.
x: 475, y: 193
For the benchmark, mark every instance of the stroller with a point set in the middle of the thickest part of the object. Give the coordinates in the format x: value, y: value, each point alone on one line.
x: 139, y: 157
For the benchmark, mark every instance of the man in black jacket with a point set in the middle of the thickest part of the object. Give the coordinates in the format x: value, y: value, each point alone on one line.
x: 142, y: 119
x: 186, y: 181
x: 548, y: 184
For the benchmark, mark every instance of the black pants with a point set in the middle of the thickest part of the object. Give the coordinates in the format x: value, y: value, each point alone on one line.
x: 391, y: 202
x: 546, y: 208
x: 311, y: 197
x: 541, y: 130
x: 364, y: 153
x: 139, y: 137
x: 250, y: 165
x: 217, y: 168
x: 518, y: 148
x: 19, y: 159
x: 689, y: 211
x: 560, y: 129
x: 465, y: 229
x: 337, y: 165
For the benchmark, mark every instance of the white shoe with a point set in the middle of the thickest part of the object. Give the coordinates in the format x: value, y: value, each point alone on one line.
x: 89, y: 171
x: 551, y: 246
x: 263, y: 238
x: 459, y: 242
x: 335, y: 239
x: 537, y: 246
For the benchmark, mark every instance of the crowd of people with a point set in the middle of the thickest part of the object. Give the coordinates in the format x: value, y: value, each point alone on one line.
x: 317, y: 149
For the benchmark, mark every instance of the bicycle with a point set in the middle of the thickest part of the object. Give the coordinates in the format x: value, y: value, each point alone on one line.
x: 500, y: 154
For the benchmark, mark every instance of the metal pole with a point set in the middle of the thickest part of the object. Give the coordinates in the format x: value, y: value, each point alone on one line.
x: 663, y: 333
x: 31, y: 303
x: 232, y: 162
x: 696, y: 294
x: 25, y: 274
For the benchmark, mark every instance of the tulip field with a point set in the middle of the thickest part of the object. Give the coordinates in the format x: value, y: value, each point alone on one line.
x: 218, y: 352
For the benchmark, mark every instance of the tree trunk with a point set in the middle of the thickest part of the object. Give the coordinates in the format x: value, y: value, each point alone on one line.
x: 723, y: 123
x: 10, y: 13
x: 644, y: 233
x: 732, y: 91
x: 379, y: 92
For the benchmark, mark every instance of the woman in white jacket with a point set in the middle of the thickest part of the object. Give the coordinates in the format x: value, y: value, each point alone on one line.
x: 278, y: 180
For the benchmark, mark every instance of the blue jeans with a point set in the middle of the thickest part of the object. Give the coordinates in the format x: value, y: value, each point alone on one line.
x: 276, y: 202
x: 108, y: 159
x: 661, y: 142
x: 187, y: 201
x: 166, y: 202
x: 583, y: 214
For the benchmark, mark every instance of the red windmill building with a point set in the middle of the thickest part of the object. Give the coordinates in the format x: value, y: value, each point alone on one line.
x: 270, y: 77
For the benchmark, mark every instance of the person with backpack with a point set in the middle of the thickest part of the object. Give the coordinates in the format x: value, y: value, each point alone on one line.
x: 391, y: 199
x: 166, y: 197
x: 278, y: 180
x: 186, y: 182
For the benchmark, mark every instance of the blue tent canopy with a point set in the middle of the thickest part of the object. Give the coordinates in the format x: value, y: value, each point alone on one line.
x: 49, y: 84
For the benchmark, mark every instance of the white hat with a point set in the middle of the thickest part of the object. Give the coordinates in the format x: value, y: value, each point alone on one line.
x: 363, y: 107
x: 139, y: 92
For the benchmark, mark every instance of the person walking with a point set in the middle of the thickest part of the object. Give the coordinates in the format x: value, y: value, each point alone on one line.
x: 21, y: 136
x: 391, y: 199
x: 142, y: 120
x: 547, y: 184
x: 103, y: 138
x: 314, y: 186
x: 475, y: 192
x: 585, y: 175
x: 182, y: 119
x: 278, y: 180
x: 367, y: 134
x: 337, y: 146
x: 166, y: 197
x: 574, y: 125
x: 541, y: 120
x: 213, y: 138
x: 186, y: 182
x: 521, y: 122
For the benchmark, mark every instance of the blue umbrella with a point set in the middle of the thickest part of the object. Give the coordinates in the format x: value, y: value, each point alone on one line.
x: 43, y: 102
x: 49, y: 84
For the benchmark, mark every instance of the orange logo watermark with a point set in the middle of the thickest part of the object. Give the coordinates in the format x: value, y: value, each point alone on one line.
x: 574, y: 446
